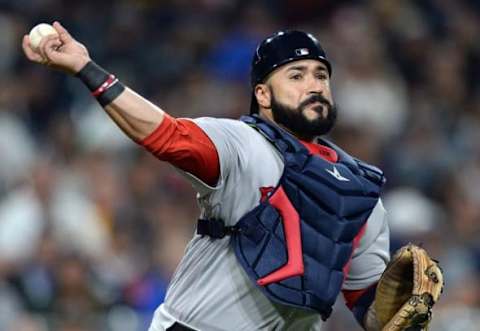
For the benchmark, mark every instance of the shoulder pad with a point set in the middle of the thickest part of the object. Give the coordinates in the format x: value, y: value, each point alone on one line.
x: 371, y: 172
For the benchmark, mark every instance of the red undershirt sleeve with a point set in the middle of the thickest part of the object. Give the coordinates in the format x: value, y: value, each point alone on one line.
x: 352, y: 296
x: 183, y: 144
x: 359, y: 301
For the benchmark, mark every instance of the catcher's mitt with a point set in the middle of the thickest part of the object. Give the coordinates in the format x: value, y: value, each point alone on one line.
x: 407, y: 290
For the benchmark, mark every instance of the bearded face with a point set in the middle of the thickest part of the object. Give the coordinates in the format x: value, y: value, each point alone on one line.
x: 298, y: 97
x: 313, y: 117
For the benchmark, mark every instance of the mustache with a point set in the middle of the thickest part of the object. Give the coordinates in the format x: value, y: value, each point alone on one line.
x: 313, y: 99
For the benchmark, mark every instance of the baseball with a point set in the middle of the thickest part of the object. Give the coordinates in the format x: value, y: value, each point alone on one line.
x: 38, y: 32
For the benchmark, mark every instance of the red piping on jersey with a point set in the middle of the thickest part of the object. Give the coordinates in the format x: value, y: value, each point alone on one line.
x: 291, y: 227
x: 355, y: 244
x: 352, y: 296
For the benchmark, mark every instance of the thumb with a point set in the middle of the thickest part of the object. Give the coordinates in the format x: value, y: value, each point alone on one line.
x: 57, y: 58
x: 65, y: 37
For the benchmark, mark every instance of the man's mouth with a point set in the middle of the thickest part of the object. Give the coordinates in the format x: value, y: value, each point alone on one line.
x: 317, y: 102
x: 319, y: 108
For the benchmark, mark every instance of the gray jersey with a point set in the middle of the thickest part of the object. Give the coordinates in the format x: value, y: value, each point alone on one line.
x: 209, y: 290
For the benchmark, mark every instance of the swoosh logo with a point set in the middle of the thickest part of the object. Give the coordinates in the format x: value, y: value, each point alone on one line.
x: 335, y: 173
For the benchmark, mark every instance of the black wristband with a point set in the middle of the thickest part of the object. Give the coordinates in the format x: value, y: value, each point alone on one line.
x: 94, y: 77
x: 111, y: 94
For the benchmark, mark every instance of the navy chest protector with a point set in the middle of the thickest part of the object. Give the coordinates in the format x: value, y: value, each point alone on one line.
x: 295, y: 245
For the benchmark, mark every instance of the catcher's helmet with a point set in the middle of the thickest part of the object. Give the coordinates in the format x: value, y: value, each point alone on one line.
x: 279, y: 49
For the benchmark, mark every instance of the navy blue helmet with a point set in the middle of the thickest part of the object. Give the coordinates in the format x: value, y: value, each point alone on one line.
x: 279, y: 49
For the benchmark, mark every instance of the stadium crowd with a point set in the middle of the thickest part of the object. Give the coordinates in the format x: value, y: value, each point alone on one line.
x: 92, y: 226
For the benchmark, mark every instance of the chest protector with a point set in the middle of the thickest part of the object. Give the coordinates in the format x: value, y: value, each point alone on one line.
x: 295, y: 244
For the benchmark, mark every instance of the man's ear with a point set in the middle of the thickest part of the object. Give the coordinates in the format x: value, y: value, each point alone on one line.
x: 263, y: 95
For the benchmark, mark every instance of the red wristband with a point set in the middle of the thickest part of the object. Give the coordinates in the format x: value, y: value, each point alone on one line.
x: 112, y: 80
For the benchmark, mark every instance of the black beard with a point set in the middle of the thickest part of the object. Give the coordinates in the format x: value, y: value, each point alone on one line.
x: 297, y: 123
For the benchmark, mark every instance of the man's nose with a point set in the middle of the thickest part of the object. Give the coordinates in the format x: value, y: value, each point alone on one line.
x: 314, y: 86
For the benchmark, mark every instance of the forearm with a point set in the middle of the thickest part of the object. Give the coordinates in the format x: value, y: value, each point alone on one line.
x: 135, y: 115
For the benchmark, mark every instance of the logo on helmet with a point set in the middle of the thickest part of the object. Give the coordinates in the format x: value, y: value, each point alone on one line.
x: 302, y: 51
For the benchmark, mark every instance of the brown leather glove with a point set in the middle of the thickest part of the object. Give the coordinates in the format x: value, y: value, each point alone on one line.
x: 409, y: 287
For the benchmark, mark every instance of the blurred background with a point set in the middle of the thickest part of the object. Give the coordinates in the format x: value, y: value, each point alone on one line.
x: 92, y: 226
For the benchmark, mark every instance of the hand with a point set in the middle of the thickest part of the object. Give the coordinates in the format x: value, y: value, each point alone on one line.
x: 60, y: 51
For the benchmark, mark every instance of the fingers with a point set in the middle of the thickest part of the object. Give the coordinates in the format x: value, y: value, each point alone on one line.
x: 51, y: 49
x: 47, y: 45
x: 65, y: 37
x: 61, y: 52
x: 29, y: 52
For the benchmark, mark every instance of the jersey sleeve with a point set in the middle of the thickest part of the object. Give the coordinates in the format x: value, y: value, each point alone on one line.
x: 230, y: 138
x: 185, y: 145
x: 370, y: 258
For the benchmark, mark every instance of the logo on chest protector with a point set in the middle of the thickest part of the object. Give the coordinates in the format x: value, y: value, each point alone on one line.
x: 335, y: 173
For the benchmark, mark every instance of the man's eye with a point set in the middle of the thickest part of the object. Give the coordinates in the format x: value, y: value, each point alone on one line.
x: 296, y: 77
x: 321, y: 76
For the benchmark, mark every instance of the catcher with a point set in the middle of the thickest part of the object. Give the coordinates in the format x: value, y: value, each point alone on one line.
x: 288, y: 219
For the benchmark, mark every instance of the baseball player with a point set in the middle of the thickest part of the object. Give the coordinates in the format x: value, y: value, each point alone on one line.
x: 288, y: 220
